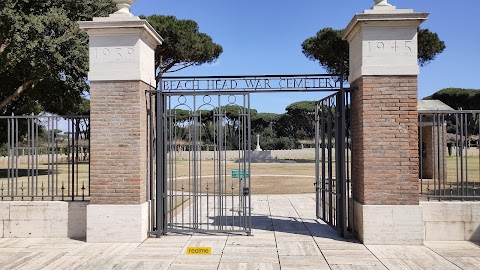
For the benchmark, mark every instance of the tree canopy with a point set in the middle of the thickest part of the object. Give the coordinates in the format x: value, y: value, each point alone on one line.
x: 262, y: 120
x: 332, y: 53
x: 329, y: 49
x: 183, y: 44
x: 277, y: 131
x: 458, y: 98
x: 302, y: 107
x: 429, y: 46
x: 44, y: 54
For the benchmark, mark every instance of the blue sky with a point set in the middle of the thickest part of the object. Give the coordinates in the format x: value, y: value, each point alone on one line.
x: 264, y: 37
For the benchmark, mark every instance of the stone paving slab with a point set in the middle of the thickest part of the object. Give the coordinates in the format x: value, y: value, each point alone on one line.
x: 465, y: 255
x: 338, y: 245
x: 351, y: 257
x: 357, y: 267
x: 192, y: 267
x: 303, y: 262
x: 286, y: 235
x: 298, y: 248
x: 409, y: 257
x: 249, y: 265
x: 252, y: 257
x: 68, y: 262
x: 154, y: 265
x: 184, y: 259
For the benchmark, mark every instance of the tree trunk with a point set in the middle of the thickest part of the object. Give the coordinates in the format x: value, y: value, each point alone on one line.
x: 4, y: 103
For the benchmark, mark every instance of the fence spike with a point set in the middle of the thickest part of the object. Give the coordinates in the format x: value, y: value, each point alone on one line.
x: 83, y: 190
x: 63, y: 190
x: 22, y: 188
x: 42, y: 189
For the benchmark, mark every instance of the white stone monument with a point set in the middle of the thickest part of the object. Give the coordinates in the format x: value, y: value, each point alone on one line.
x: 258, y: 149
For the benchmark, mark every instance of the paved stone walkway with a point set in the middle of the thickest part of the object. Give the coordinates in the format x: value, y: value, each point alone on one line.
x: 286, y: 236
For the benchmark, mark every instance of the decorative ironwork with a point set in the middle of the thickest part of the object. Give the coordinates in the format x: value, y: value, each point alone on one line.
x: 195, y: 198
x: 332, y: 153
x: 191, y: 198
x: 39, y: 156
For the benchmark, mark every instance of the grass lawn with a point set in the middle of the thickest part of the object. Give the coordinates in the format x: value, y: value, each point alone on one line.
x: 449, y: 185
x: 472, y: 163
x: 48, y: 180
x: 266, y: 178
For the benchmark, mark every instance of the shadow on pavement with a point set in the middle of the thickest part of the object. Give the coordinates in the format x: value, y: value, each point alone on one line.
x: 289, y: 225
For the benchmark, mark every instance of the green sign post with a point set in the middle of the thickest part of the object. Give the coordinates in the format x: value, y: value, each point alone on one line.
x: 236, y: 174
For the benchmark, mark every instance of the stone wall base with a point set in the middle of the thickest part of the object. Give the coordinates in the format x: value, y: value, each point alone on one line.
x: 117, y: 223
x: 389, y: 224
x: 43, y: 219
x: 451, y: 221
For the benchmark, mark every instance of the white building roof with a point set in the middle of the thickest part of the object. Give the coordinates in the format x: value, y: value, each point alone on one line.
x: 433, y: 105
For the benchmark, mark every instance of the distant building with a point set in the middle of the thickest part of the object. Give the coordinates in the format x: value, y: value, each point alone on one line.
x: 432, y: 132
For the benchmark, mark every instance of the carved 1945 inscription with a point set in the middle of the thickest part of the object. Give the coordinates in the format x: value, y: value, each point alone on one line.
x: 390, y: 46
x: 115, y: 54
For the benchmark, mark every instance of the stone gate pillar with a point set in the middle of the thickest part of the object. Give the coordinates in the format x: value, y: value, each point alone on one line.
x: 121, y: 68
x: 384, y: 69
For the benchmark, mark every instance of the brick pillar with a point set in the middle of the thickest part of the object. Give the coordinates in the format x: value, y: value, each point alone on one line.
x: 384, y: 69
x: 121, y: 69
x: 385, y: 136
x: 118, y: 141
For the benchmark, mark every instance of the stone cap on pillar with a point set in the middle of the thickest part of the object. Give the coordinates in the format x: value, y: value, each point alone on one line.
x: 383, y: 41
x: 122, y: 47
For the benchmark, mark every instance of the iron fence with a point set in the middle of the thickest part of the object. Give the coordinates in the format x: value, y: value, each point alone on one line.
x: 44, y: 158
x: 449, y: 167
x: 333, y: 162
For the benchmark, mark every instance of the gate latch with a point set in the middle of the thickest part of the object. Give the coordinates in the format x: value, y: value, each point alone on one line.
x: 246, y: 191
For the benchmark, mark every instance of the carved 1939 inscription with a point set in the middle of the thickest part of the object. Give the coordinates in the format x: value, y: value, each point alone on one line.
x: 112, y: 54
x: 390, y: 46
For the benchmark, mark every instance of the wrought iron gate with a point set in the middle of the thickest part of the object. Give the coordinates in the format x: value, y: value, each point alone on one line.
x: 203, y: 180
x: 199, y: 147
x: 333, y: 158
